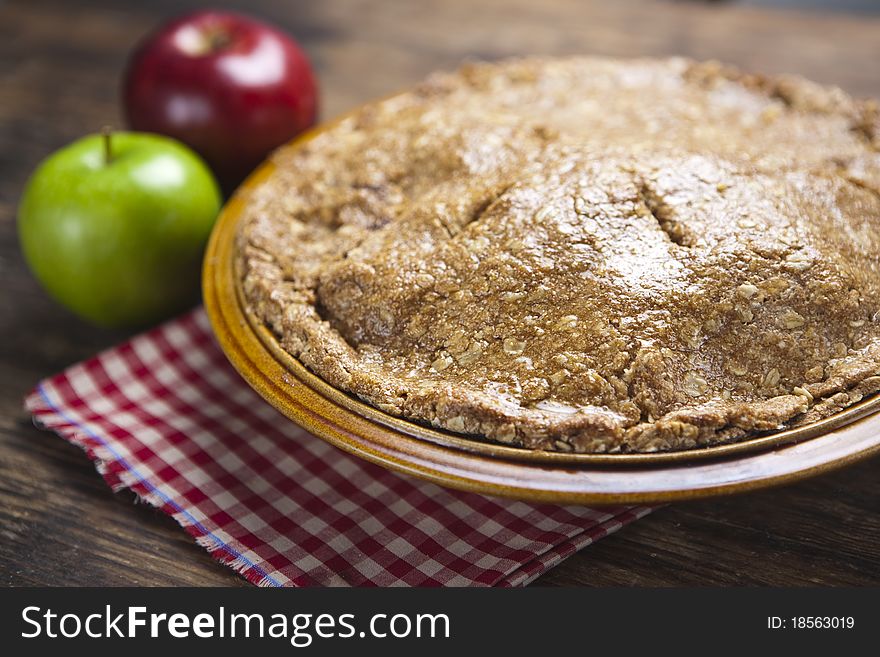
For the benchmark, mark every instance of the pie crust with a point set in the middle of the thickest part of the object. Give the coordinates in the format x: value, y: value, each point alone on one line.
x: 586, y: 254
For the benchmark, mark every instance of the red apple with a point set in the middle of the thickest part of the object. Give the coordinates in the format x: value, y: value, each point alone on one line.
x: 230, y: 87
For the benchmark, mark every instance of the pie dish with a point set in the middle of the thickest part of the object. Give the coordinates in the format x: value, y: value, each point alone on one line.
x: 581, y: 255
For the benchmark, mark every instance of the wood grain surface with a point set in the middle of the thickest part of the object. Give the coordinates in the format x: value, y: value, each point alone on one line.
x: 60, y: 66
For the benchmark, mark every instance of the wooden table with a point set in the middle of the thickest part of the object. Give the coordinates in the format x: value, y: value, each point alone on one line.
x: 60, y: 66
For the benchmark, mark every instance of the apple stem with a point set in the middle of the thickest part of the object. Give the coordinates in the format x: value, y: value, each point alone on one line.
x: 218, y: 41
x: 106, y: 133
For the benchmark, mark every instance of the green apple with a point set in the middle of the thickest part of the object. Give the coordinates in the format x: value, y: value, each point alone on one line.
x: 114, y: 226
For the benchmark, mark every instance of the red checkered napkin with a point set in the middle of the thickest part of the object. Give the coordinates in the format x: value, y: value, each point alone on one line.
x: 166, y: 416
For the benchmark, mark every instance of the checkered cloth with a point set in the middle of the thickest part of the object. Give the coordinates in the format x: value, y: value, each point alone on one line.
x: 166, y: 416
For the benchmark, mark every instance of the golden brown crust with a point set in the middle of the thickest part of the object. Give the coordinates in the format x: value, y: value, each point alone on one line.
x: 586, y: 254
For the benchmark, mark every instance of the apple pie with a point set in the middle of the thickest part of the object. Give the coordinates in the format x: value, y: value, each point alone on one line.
x: 584, y: 254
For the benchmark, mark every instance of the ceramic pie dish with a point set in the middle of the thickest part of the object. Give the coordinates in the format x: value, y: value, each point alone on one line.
x: 452, y: 461
x: 451, y: 458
